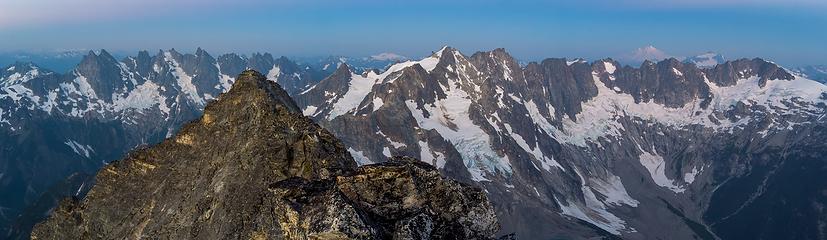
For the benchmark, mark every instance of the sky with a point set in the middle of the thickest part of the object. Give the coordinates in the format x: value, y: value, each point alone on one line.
x: 791, y: 32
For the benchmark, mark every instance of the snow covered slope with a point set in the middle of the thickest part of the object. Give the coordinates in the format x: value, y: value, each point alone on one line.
x: 586, y: 145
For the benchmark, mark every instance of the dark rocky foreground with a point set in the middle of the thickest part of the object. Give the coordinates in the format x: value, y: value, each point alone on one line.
x: 253, y: 167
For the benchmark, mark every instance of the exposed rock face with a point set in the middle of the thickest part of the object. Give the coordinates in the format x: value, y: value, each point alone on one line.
x: 399, y: 199
x: 728, y: 73
x: 253, y: 167
x: 570, y: 85
x: 668, y: 82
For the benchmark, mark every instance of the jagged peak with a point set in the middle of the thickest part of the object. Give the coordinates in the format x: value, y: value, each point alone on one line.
x: 283, y: 59
x: 342, y: 69
x: 89, y: 55
x: 560, y: 61
x: 231, y: 56
x: 499, y: 51
x: 286, y: 64
x: 502, y: 54
x: 143, y: 54
x: 160, y: 53
x: 106, y: 54
x: 175, y: 54
x: 94, y: 59
x: 262, y: 56
x: 671, y: 61
x: 445, y: 49
x: 250, y: 80
x: 442, y: 50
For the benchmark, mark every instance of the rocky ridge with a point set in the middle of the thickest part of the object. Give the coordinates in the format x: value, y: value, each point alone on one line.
x: 253, y: 167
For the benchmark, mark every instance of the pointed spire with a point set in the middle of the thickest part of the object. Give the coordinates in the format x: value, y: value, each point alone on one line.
x: 342, y: 69
x: 442, y: 50
x: 104, y: 53
x: 143, y: 54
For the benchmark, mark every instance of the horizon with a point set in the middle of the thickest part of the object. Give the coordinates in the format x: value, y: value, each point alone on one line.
x: 121, y: 55
x: 770, y: 29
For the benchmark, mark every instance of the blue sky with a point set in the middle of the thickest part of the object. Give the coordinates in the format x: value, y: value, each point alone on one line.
x: 791, y: 32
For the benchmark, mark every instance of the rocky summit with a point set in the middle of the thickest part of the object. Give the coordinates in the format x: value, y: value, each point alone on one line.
x: 253, y: 167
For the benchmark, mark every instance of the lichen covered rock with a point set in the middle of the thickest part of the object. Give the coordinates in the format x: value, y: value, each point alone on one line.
x: 400, y: 199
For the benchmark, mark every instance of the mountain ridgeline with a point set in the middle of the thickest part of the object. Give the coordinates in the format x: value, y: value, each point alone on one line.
x: 572, y: 149
x: 563, y: 148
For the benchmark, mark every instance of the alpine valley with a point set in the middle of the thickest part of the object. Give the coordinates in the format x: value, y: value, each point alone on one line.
x: 564, y: 149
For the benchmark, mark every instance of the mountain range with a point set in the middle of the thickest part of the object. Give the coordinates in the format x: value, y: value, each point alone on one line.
x: 667, y: 150
x: 815, y: 72
x: 57, y: 60
x: 70, y: 125
x: 563, y: 148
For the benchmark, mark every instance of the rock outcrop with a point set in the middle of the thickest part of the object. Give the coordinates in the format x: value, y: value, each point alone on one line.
x: 253, y: 167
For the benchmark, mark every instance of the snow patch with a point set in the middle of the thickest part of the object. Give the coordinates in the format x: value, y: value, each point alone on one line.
x: 143, y: 97
x: 599, y: 115
x: 274, y: 73
x: 309, y: 110
x: 613, y: 190
x: 677, y: 72
x: 594, y: 211
x: 80, y: 149
x: 610, y: 67
x: 689, y: 177
x: 450, y: 117
x: 359, y: 87
x: 184, y: 80
x: 83, y: 86
x: 377, y: 103
x: 545, y: 162
x: 656, y: 166
x: 225, y: 82
x: 427, y: 155
x: 360, y: 157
